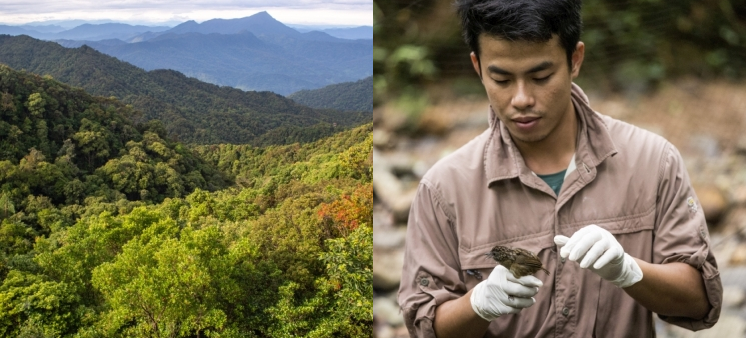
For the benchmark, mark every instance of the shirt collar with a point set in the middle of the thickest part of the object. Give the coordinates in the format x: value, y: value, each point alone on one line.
x: 502, y: 160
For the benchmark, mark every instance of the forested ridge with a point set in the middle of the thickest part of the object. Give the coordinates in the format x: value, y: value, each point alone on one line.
x: 110, y: 229
x: 190, y: 110
x: 348, y: 96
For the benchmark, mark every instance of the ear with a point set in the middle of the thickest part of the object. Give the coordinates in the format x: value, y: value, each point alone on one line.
x: 577, y: 59
x: 475, y: 62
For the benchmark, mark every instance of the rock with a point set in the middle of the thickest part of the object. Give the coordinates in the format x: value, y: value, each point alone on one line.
x: 433, y: 124
x: 384, y: 331
x: 712, y: 200
x: 389, y: 189
x: 738, y: 257
x: 738, y: 195
x: 706, y: 145
x: 389, y: 238
x: 382, y: 217
x: 727, y: 326
x: 741, y: 146
x: 388, y: 311
x: 733, y: 296
x: 401, y: 332
x: 387, y: 266
x: 382, y: 138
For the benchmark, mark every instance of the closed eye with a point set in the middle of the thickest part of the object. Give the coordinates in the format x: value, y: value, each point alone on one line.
x: 543, y: 79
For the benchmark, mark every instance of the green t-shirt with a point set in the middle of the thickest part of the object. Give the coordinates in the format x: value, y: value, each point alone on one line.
x: 554, y: 180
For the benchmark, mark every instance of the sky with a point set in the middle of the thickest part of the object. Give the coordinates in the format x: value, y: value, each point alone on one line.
x: 172, y: 12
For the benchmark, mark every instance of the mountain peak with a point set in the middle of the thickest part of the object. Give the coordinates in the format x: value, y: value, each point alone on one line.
x: 259, y: 24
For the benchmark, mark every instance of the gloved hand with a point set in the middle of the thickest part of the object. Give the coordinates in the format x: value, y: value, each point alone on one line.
x: 596, y: 249
x: 501, y: 293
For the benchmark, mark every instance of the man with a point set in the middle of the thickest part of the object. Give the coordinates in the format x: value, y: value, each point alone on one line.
x: 607, y: 207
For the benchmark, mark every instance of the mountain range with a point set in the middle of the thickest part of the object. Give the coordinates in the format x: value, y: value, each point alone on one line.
x: 252, y: 53
x: 103, y: 29
x: 190, y: 110
x: 86, y: 31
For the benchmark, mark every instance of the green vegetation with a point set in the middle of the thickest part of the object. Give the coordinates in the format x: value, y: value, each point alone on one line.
x: 348, y: 96
x: 630, y: 44
x: 190, y: 110
x: 108, y: 229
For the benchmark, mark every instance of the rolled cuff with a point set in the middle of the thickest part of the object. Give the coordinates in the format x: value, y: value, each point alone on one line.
x: 713, y: 289
x: 419, y: 310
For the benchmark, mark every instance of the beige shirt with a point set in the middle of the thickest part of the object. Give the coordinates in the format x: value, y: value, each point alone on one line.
x: 628, y: 181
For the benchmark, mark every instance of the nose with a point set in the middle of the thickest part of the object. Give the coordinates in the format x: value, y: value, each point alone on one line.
x: 523, y: 97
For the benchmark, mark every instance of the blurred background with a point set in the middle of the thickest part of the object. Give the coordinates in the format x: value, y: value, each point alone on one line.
x: 676, y: 68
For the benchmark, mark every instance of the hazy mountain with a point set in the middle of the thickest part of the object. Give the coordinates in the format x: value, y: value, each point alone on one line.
x: 348, y: 96
x: 90, y: 32
x: 260, y: 24
x: 193, y: 111
x: 16, y: 30
x: 106, y: 31
x: 353, y: 33
x: 251, y: 53
x: 44, y: 28
x: 79, y: 43
x: 252, y: 59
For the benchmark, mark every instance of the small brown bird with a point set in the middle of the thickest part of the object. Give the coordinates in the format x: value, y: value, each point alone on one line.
x: 519, y: 261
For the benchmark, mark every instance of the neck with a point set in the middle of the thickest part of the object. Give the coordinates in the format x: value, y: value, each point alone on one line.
x: 554, y: 152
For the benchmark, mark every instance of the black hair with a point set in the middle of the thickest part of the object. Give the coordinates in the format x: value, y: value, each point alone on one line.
x: 522, y: 20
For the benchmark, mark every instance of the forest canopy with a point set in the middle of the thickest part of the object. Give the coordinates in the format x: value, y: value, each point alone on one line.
x: 110, y: 229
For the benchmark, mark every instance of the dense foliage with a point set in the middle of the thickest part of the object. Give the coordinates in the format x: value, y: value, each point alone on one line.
x: 348, y: 96
x: 191, y: 110
x: 119, y: 235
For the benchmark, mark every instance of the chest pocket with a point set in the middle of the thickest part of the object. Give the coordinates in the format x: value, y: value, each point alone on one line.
x: 476, y: 266
x: 633, y: 232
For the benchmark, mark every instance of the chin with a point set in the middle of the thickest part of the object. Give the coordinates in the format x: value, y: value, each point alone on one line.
x: 530, y: 138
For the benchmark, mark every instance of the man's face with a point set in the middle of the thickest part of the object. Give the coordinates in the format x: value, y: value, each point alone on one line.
x: 528, y: 85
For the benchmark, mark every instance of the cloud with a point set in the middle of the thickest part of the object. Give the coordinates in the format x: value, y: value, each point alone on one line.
x: 352, y: 12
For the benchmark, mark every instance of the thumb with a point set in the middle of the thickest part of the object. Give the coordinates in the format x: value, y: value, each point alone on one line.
x: 561, y: 240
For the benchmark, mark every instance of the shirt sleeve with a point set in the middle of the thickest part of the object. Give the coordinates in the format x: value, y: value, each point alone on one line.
x: 431, y: 274
x: 681, y: 235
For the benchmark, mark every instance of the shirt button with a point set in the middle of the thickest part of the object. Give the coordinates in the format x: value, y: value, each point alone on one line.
x: 424, y: 282
x: 565, y: 312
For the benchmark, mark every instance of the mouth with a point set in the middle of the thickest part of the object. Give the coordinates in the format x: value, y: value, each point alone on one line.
x: 526, y: 122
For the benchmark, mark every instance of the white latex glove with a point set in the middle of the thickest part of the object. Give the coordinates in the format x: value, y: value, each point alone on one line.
x: 596, y: 249
x: 501, y: 293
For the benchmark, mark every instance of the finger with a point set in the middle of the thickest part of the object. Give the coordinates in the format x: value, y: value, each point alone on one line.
x: 518, y: 290
x: 561, y: 240
x: 573, y: 241
x: 567, y: 248
x: 521, y: 303
x: 529, y: 280
x: 594, y: 253
x: 607, y: 257
x: 584, y: 244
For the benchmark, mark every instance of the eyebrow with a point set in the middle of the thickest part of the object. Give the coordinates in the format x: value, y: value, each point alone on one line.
x: 542, y: 66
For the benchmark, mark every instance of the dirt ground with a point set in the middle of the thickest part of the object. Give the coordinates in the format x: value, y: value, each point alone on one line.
x: 705, y: 120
